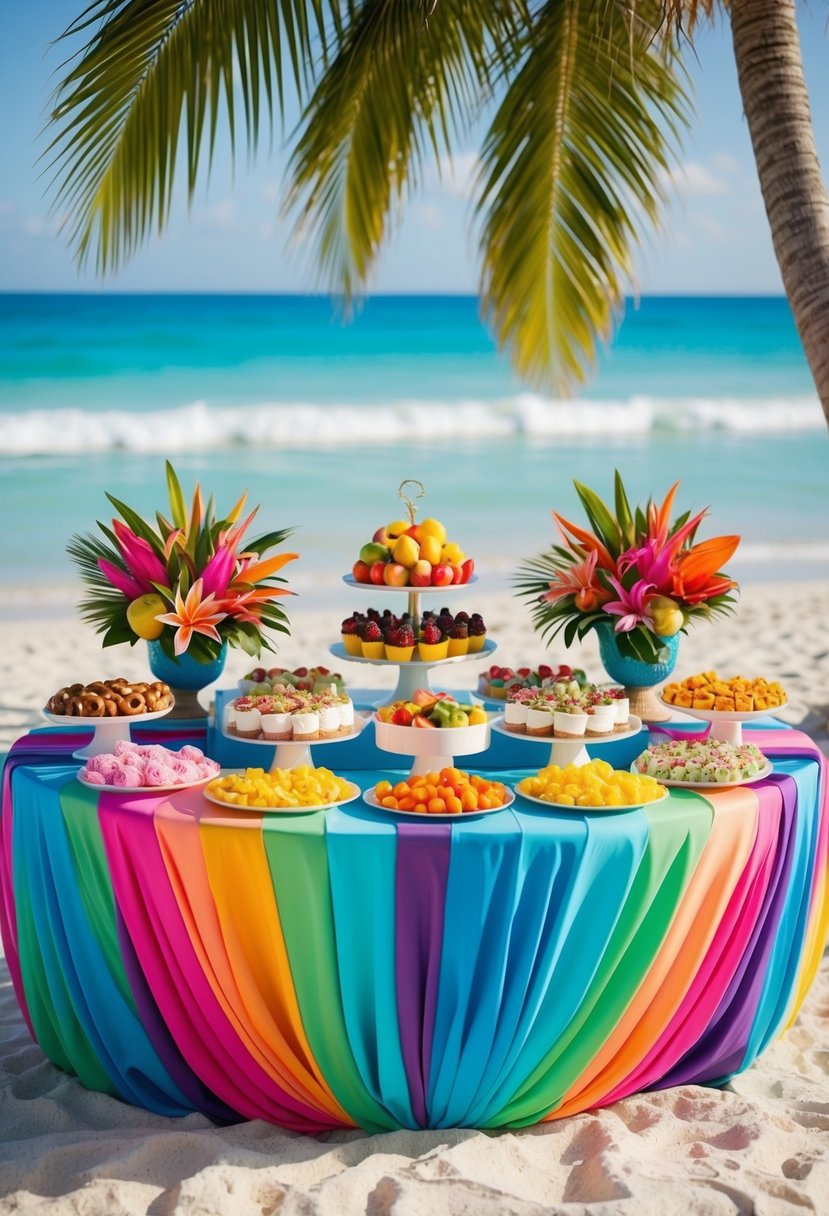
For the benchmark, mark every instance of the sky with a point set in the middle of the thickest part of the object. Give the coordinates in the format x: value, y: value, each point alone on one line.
x: 715, y: 239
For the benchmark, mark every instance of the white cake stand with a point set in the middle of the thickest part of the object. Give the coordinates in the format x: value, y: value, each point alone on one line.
x: 726, y: 725
x: 108, y: 731
x: 411, y: 675
x: 288, y: 754
x: 431, y: 749
x: 570, y: 751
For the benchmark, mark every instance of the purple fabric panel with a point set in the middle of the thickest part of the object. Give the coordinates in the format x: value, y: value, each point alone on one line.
x: 203, y: 1099
x: 421, y: 872
x: 720, y: 1050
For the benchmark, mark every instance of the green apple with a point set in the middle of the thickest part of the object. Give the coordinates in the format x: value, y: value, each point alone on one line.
x: 372, y: 552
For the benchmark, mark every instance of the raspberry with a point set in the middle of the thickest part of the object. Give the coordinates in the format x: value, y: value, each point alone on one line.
x: 373, y: 614
x: 431, y: 634
x: 405, y: 635
x: 372, y: 632
x: 477, y: 629
x: 459, y: 630
x: 463, y: 617
x: 349, y: 625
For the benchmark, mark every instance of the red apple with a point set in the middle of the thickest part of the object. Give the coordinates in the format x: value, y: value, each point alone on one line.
x: 457, y: 574
x: 442, y: 575
x: 395, y: 575
x: 382, y: 537
x: 273, y: 672
x: 420, y: 574
x: 468, y: 566
x: 361, y: 573
x: 377, y: 572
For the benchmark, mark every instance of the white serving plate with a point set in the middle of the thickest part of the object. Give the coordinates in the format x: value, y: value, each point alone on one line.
x: 565, y: 806
x: 726, y: 725
x: 370, y: 799
x: 350, y: 581
x: 146, y: 789
x: 354, y: 793
x: 108, y: 731
x: 431, y: 748
x: 570, y: 751
x: 296, y: 753
x: 708, y: 785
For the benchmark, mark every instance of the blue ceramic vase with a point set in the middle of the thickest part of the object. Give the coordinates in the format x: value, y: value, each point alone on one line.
x: 639, y: 679
x: 186, y: 676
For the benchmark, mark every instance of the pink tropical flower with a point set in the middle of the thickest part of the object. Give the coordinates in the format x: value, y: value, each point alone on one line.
x: 219, y: 570
x: 196, y: 614
x: 578, y: 580
x: 126, y: 584
x: 141, y: 559
x: 632, y: 605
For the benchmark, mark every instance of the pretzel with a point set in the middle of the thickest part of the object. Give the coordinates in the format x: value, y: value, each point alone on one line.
x: 132, y: 705
x: 94, y: 705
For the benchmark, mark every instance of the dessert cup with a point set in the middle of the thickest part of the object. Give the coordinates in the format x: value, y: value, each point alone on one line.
x: 458, y: 646
x: 476, y: 642
x: 306, y: 726
x: 539, y: 722
x: 433, y: 652
x: 601, y: 720
x: 399, y: 654
x: 248, y: 723
x: 622, y: 713
x: 352, y: 644
x: 329, y: 721
x: 373, y: 650
x: 515, y: 717
x: 569, y: 726
x: 277, y: 727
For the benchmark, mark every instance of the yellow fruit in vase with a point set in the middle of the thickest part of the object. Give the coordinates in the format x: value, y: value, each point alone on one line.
x: 406, y: 551
x: 666, y: 616
x: 433, y: 527
x: 430, y: 548
x: 452, y: 554
x: 141, y: 616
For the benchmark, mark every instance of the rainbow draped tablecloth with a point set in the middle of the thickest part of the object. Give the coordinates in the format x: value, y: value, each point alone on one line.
x: 337, y: 968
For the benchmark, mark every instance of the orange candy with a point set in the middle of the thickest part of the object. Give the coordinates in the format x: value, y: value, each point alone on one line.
x: 450, y: 791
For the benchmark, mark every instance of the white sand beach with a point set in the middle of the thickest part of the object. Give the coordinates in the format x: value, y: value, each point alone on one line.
x: 759, y: 1146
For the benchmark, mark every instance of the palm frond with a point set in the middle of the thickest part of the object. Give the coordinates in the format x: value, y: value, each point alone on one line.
x: 407, y: 79
x: 572, y: 167
x: 154, y: 74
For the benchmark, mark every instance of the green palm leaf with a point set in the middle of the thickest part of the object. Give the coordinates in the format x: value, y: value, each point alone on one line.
x: 407, y: 78
x: 151, y: 70
x: 572, y: 167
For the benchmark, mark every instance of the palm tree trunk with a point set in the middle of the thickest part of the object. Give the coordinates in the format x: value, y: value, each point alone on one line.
x: 776, y: 104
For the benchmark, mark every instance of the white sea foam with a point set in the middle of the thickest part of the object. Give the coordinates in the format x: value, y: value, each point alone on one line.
x: 202, y: 427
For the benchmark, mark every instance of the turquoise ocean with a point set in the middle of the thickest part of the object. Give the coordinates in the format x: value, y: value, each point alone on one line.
x: 321, y: 420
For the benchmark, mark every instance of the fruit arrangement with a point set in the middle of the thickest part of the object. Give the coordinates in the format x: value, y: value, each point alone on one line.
x: 449, y: 792
x: 409, y: 554
x: 567, y: 710
x: 496, y: 682
x: 110, y: 699
x: 306, y: 679
x: 596, y: 784
x: 431, y: 711
x: 737, y: 695
x: 709, y: 762
x: 281, y: 789
x: 131, y: 766
x: 442, y: 635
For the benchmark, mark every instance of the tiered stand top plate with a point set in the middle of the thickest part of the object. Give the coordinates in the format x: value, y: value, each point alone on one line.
x: 351, y: 581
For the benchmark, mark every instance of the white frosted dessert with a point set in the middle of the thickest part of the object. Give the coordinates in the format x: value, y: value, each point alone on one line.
x: 277, y: 723
x: 346, y: 708
x: 601, y: 719
x: 622, y: 712
x: 306, y: 724
x: 517, y: 709
x: 247, y: 721
x: 330, y: 719
x: 569, y: 721
x: 539, y: 718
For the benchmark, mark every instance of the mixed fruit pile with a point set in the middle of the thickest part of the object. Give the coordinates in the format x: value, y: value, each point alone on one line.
x: 281, y: 789
x: 497, y: 681
x: 449, y: 792
x: 596, y: 784
x: 737, y: 695
x: 432, y: 710
x: 261, y: 682
x: 404, y: 554
x: 386, y: 636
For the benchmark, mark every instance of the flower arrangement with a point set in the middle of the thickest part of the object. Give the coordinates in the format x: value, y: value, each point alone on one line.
x: 191, y: 582
x: 637, y: 569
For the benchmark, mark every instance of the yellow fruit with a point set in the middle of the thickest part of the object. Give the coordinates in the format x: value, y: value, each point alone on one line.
x: 452, y: 554
x: 667, y: 616
x: 397, y: 528
x: 141, y: 616
x: 477, y: 716
x: 406, y: 551
x: 433, y: 527
x: 430, y: 548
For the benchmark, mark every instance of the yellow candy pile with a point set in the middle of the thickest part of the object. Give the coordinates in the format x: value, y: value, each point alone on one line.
x: 593, y: 784
x: 281, y: 788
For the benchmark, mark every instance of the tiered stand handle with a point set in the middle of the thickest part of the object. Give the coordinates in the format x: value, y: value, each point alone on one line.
x: 570, y: 751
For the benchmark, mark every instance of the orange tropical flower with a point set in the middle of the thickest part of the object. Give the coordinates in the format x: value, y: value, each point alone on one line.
x: 193, y: 615
x: 578, y: 580
x: 584, y: 541
x: 695, y: 576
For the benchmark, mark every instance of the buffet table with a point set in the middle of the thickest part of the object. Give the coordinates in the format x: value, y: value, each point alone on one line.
x: 340, y: 968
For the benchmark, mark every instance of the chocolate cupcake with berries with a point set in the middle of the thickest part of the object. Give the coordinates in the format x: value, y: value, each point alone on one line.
x: 477, y: 633
x: 399, y: 640
x: 433, y: 645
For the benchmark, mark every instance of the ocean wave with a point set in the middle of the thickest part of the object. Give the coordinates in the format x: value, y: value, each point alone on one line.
x: 202, y: 427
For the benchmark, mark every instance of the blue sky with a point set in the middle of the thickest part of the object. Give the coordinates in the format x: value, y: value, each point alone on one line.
x: 715, y: 239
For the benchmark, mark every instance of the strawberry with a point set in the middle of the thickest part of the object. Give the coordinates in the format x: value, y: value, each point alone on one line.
x: 565, y: 672
x: 301, y: 672
x: 431, y: 634
x: 402, y: 716
x: 523, y: 672
x: 372, y: 632
x: 545, y: 672
x: 405, y: 636
x: 349, y: 625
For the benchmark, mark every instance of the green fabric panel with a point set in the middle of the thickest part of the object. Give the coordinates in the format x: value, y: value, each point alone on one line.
x: 676, y: 838
x: 79, y: 805
x: 298, y: 862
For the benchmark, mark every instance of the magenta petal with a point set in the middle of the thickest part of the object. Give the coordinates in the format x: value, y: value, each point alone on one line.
x: 125, y: 583
x: 218, y: 572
